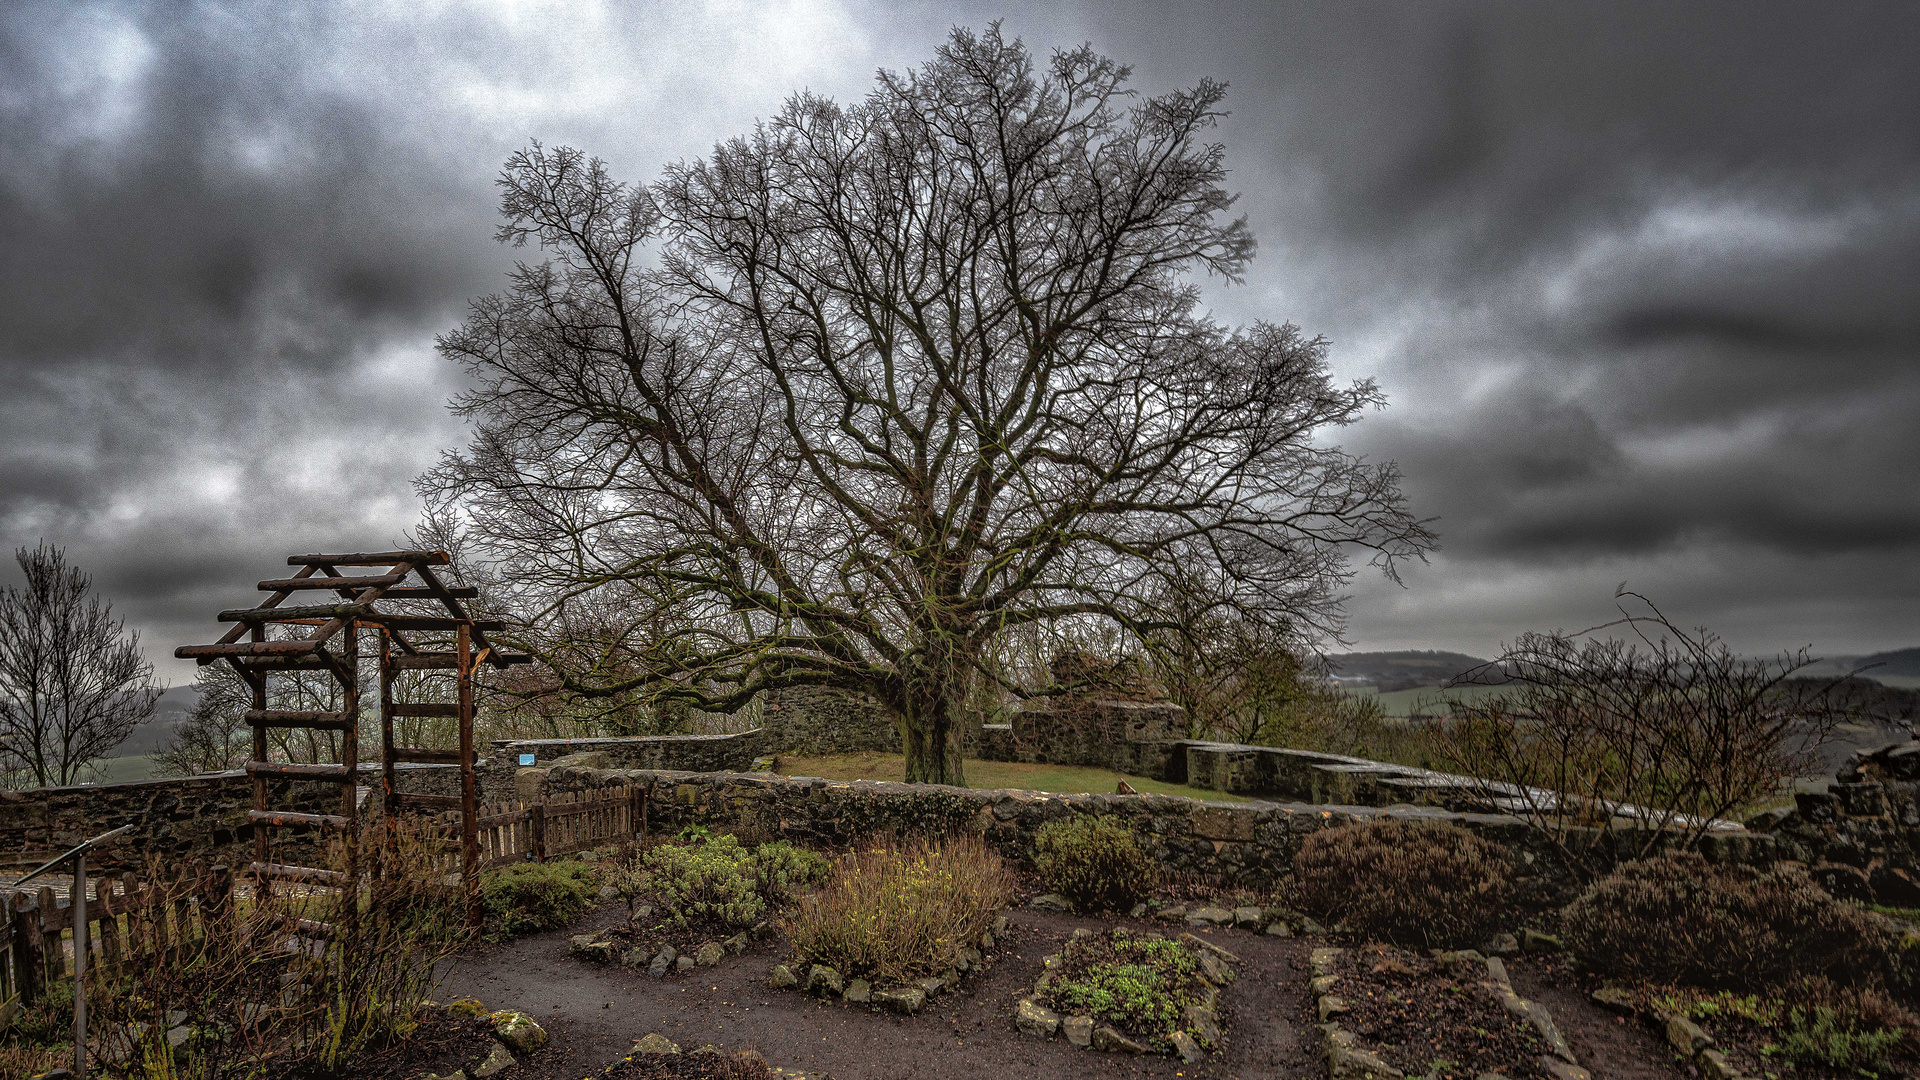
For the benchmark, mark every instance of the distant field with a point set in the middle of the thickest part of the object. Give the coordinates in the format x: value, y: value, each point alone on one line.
x: 1059, y: 779
x: 1429, y: 700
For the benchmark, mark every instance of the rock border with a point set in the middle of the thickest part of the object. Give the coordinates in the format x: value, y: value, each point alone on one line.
x: 1033, y: 1018
x: 906, y: 1000
x: 604, y: 947
x: 1349, y: 1059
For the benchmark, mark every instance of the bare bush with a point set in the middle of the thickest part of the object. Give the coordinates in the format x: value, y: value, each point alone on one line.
x: 1662, y: 734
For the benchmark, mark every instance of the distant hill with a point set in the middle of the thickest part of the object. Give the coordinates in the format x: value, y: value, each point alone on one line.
x: 1902, y: 662
x: 1402, y: 670
x: 169, y: 713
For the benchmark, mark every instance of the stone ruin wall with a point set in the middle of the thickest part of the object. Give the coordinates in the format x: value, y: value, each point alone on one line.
x: 1861, y: 837
x: 180, y: 818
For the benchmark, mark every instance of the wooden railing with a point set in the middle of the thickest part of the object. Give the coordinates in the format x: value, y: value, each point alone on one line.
x: 129, y: 921
x: 132, y: 920
x: 564, y: 823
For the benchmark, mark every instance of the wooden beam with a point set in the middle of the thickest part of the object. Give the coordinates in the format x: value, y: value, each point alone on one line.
x: 287, y: 614
x: 247, y: 648
x: 288, y: 819
x: 296, y: 718
x: 341, y: 584
x: 336, y: 774
x: 372, y: 558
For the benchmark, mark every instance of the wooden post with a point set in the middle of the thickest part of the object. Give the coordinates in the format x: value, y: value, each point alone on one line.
x: 262, y: 885
x: 389, y: 781
x: 219, y: 901
x: 350, y: 759
x: 469, y: 788
x: 109, y: 916
x: 29, y: 966
x: 537, y: 819
x: 80, y: 966
x: 50, y: 950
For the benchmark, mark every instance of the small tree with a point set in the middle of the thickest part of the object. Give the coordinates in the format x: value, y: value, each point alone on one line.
x: 1662, y: 734
x: 73, y: 682
x: 215, y: 737
x: 901, y: 377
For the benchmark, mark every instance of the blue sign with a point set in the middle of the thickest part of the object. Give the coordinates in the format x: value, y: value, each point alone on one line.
x: 526, y: 759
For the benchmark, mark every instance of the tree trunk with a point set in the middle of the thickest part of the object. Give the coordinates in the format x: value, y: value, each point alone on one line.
x: 934, y: 733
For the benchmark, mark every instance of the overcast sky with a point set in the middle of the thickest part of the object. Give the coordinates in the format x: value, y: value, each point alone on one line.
x: 1641, y: 282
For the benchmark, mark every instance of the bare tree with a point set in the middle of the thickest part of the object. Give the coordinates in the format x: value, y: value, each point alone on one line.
x: 1659, y: 733
x: 73, y: 682
x: 901, y: 376
x: 215, y: 736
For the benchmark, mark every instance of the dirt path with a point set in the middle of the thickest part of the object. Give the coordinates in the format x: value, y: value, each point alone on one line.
x: 597, y: 1012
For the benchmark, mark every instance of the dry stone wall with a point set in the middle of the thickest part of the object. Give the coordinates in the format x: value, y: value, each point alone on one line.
x: 1248, y: 843
x: 178, y: 817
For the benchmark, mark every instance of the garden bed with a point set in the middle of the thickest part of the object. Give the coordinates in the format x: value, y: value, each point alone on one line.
x: 1450, y: 1017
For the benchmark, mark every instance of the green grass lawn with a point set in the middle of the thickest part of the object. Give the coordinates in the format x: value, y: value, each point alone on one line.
x: 1059, y: 779
x: 1427, y: 700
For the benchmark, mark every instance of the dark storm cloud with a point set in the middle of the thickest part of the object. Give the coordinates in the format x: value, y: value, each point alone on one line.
x: 1642, y: 280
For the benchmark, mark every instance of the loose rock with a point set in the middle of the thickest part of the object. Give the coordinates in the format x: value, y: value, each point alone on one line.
x: 519, y: 1032
x: 1035, y: 1019
x: 1050, y: 902
x: 1246, y: 916
x: 824, y: 981
x: 1189, y: 1050
x: 1534, y: 941
x: 782, y: 977
x: 1107, y: 1037
x: 1211, y: 916
x: 901, y: 999
x: 655, y: 1043
x: 662, y: 961
x: 709, y: 954
x: 1078, y: 1029
x: 859, y: 991
x: 499, y: 1059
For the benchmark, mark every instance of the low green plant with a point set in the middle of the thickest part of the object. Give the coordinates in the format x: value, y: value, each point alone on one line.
x: 531, y: 897
x: 716, y: 879
x: 1677, y: 918
x: 1416, y: 883
x: 1141, y: 985
x: 900, y: 910
x: 1821, y: 1037
x: 1096, y: 863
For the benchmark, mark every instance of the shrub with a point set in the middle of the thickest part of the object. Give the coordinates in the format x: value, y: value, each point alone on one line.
x: 1140, y: 985
x: 1414, y: 883
x: 1678, y: 918
x: 1096, y: 863
x: 536, y: 896
x: 1823, y: 1038
x: 716, y: 879
x: 901, y: 910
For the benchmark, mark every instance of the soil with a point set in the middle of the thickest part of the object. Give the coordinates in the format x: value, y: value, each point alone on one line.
x: 1608, y: 1044
x: 1425, y: 1018
x: 594, y: 1013
x: 441, y: 1044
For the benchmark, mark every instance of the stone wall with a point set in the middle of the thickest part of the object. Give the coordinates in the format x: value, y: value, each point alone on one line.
x: 1137, y: 737
x: 179, y: 817
x: 816, y: 720
x: 1250, y: 843
x: 1861, y: 835
x: 693, y: 753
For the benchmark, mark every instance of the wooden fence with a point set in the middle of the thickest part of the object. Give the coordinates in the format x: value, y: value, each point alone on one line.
x: 138, y: 921
x: 129, y: 921
x: 564, y: 823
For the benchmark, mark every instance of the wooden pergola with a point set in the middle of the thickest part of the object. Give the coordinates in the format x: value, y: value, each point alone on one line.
x: 401, y: 596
